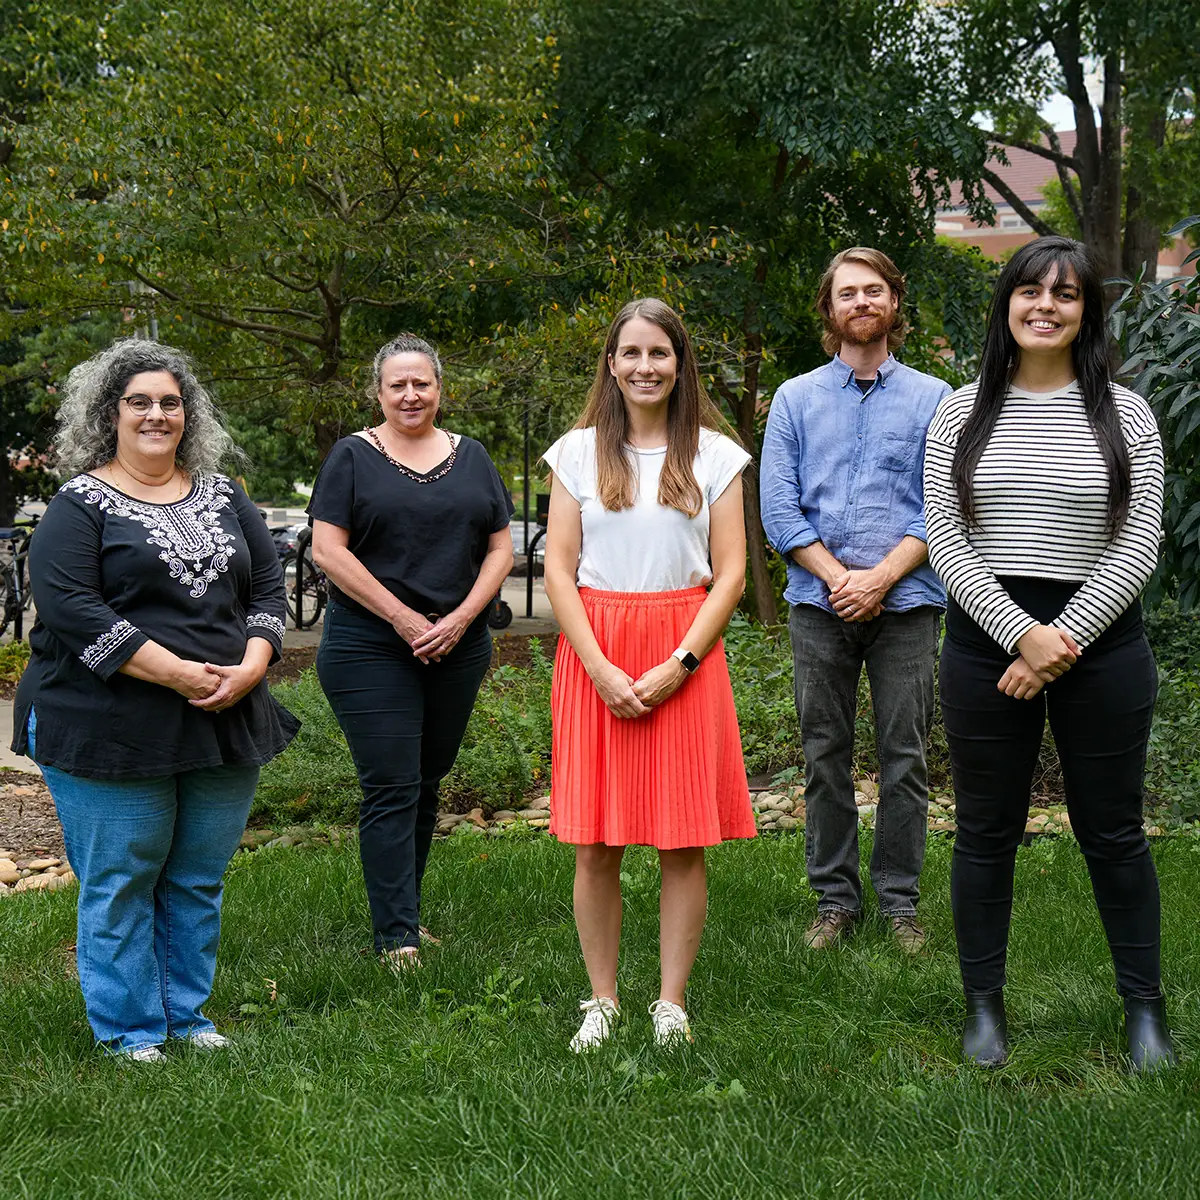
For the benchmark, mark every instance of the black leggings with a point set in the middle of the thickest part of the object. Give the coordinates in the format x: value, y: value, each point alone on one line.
x: 1100, y: 713
x: 404, y: 721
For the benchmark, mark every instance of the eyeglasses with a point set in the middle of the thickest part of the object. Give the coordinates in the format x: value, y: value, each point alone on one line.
x: 167, y: 405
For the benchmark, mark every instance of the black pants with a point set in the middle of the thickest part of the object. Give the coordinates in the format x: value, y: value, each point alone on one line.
x: 404, y: 721
x: 1100, y: 713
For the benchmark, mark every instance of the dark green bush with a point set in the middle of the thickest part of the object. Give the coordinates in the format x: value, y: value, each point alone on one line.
x: 1175, y: 637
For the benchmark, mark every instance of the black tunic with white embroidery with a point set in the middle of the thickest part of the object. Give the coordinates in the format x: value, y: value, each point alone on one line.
x: 200, y: 577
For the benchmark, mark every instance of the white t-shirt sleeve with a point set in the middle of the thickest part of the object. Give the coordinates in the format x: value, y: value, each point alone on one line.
x: 724, y: 459
x: 563, y: 459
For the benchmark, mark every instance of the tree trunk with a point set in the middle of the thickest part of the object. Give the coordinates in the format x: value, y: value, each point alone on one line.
x: 1146, y: 133
x: 1107, y: 196
x: 1098, y: 151
x: 765, y: 607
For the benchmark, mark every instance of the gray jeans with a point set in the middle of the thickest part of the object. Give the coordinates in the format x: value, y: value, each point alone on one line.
x: 899, y: 651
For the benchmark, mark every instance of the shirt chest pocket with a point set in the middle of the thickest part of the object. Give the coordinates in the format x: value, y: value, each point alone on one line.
x: 898, y: 451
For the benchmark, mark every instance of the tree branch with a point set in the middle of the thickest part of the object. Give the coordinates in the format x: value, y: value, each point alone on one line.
x: 1054, y: 155
x: 1019, y: 206
x: 220, y: 318
x: 1070, y: 191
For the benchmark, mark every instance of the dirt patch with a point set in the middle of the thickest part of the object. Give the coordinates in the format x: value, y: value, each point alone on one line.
x: 291, y: 663
x: 28, y: 822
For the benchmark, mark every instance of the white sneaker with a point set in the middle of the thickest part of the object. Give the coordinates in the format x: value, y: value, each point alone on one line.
x: 671, y: 1026
x: 600, y: 1016
x: 143, y: 1054
x: 208, y: 1039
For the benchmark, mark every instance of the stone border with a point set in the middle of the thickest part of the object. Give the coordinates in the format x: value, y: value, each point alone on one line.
x: 780, y: 811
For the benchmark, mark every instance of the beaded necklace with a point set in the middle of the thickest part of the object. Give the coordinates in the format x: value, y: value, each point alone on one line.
x: 416, y: 476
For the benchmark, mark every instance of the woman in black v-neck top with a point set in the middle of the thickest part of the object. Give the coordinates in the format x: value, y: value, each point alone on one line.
x: 411, y: 525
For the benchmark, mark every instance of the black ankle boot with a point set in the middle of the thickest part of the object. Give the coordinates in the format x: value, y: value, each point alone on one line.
x: 1149, y: 1038
x: 985, y: 1035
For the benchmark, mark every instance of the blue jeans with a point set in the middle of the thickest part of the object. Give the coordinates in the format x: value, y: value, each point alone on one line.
x: 828, y: 653
x: 149, y: 854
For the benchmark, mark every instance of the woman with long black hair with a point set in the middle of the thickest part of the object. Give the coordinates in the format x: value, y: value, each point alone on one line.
x: 1044, y: 493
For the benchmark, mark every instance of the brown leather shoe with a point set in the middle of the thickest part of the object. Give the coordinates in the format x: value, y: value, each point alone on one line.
x: 910, y: 936
x: 829, y: 928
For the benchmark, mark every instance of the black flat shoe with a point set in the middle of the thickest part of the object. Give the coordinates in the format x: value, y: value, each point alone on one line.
x: 1149, y: 1038
x: 985, y: 1035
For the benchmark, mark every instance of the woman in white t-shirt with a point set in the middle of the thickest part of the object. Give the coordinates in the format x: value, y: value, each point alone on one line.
x: 645, y: 563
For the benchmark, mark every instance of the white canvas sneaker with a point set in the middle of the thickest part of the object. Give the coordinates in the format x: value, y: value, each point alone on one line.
x: 208, y: 1039
x: 600, y: 1016
x: 143, y: 1054
x: 671, y: 1026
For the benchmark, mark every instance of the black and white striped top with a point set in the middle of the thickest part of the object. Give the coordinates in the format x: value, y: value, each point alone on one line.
x: 1041, y: 493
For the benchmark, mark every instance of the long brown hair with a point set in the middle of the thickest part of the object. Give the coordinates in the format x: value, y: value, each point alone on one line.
x: 689, y: 409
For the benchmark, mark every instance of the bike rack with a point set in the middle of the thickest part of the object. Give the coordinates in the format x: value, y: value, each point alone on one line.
x: 537, y: 537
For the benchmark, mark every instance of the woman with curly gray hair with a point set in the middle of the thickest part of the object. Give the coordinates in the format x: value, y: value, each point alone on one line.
x: 160, y: 605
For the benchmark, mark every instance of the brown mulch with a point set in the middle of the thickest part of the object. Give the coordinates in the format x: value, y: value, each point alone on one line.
x: 28, y: 822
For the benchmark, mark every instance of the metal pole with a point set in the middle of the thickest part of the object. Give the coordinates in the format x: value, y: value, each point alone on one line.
x: 528, y: 556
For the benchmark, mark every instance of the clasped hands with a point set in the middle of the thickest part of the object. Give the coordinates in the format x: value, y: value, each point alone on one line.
x: 213, y: 687
x: 431, y: 640
x: 858, y: 595
x: 627, y: 697
x: 1046, y: 653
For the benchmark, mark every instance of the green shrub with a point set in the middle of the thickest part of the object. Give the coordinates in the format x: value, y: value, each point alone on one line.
x: 760, y: 666
x: 1173, y: 761
x: 313, y: 779
x: 505, y: 754
x: 1175, y: 637
x: 13, y: 658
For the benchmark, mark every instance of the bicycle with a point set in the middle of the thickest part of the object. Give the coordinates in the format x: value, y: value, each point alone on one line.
x: 306, y: 585
x: 16, y: 594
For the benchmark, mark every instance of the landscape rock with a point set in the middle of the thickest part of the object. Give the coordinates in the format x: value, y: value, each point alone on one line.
x: 42, y: 864
x: 35, y: 883
x: 542, y: 804
x: 787, y: 822
x: 8, y: 871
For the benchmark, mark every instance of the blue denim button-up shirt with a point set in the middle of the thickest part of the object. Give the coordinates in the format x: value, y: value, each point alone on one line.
x: 845, y: 469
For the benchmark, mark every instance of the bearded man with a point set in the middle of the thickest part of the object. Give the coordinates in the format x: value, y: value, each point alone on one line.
x: 842, y: 501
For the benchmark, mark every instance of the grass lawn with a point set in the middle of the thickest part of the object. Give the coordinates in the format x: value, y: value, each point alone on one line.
x: 833, y: 1075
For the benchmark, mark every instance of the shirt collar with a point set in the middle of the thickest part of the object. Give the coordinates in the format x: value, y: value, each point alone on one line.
x: 845, y: 374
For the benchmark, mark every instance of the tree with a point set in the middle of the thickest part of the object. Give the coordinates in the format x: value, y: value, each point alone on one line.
x: 42, y: 49
x: 758, y: 139
x: 1158, y: 327
x: 280, y: 186
x: 1131, y: 173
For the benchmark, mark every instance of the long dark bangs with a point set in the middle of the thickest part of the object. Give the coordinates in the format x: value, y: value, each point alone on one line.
x: 1089, y: 353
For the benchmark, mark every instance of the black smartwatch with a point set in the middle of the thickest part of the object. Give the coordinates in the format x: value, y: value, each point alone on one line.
x: 687, y: 660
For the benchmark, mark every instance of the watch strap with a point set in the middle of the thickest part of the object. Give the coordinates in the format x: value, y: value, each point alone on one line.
x: 687, y: 660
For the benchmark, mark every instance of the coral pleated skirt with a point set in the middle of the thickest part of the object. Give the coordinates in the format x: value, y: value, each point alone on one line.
x: 672, y: 778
